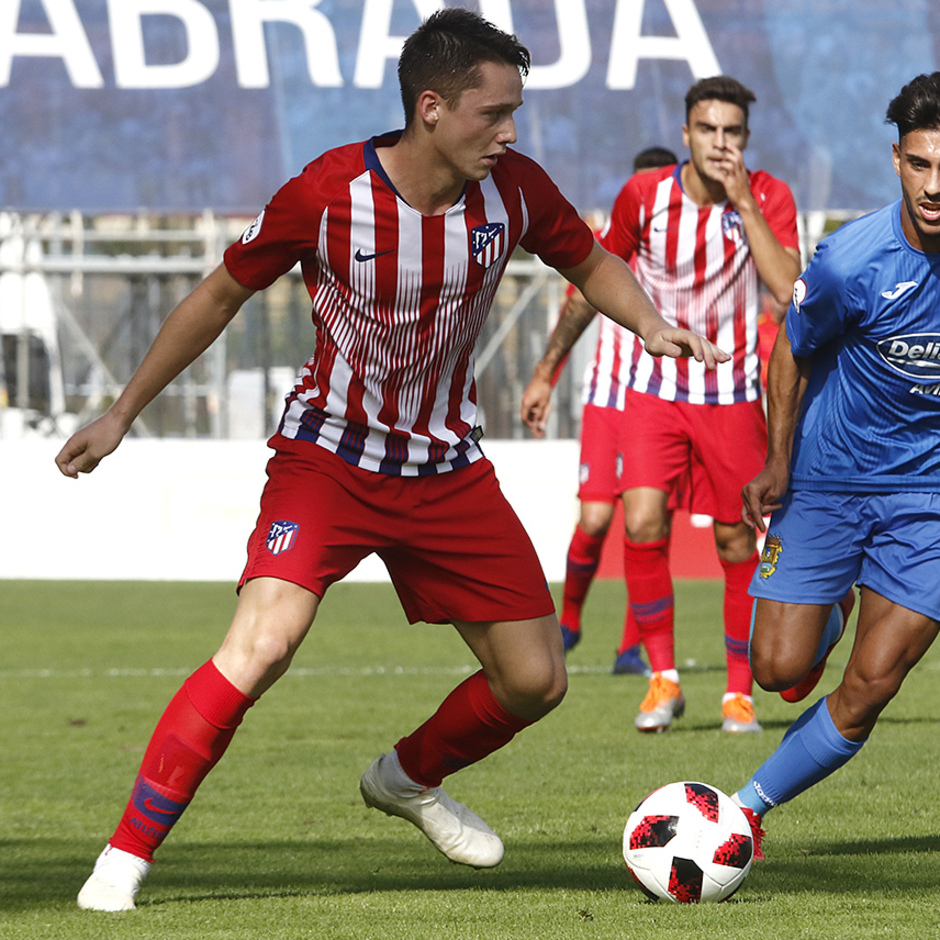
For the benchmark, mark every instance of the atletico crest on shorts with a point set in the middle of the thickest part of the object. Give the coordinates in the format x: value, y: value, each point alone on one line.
x: 487, y: 243
x: 281, y: 536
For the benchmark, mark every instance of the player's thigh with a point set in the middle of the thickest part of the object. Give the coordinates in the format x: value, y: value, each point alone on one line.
x: 523, y: 660
x: 271, y: 620
x: 461, y: 553
x: 729, y: 446
x: 784, y: 640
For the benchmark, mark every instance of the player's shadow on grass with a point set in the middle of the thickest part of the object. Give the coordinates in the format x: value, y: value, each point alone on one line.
x: 49, y: 872
x: 834, y: 867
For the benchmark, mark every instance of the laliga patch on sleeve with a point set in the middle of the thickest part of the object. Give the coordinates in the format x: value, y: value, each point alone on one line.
x: 253, y: 230
x: 799, y: 293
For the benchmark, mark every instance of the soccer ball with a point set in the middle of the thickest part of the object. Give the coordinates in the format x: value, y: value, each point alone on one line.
x: 688, y: 842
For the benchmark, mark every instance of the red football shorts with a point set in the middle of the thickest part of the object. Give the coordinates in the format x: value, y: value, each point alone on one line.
x: 599, y: 471
x: 452, y: 544
x: 708, y: 451
x: 602, y: 448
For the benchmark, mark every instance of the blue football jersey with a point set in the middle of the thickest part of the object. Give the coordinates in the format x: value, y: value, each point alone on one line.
x: 867, y: 309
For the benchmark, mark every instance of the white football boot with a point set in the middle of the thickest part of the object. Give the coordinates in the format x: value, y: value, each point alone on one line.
x: 113, y: 884
x: 453, y: 830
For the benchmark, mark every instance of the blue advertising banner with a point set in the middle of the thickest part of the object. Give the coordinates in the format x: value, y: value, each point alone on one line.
x: 180, y: 105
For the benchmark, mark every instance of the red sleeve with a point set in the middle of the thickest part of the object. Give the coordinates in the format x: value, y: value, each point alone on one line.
x: 556, y: 233
x: 621, y: 237
x: 778, y: 207
x: 284, y: 233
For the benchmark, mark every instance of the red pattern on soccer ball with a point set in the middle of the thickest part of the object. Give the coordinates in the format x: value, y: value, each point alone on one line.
x: 685, y: 881
x: 653, y: 832
x: 704, y: 799
x: 736, y: 852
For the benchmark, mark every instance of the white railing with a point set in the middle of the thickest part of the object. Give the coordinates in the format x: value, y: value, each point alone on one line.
x: 81, y: 298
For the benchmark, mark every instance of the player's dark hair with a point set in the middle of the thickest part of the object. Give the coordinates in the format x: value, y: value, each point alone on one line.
x: 719, y: 88
x: 653, y: 158
x: 917, y: 106
x: 445, y: 52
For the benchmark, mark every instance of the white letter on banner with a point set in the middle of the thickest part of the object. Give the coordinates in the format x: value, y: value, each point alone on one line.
x: 127, y: 40
x: 67, y: 41
x: 376, y: 46
x: 251, y: 56
x: 574, y: 41
x: 627, y: 46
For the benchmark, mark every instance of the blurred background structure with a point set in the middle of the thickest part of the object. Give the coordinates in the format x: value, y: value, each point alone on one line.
x: 142, y: 136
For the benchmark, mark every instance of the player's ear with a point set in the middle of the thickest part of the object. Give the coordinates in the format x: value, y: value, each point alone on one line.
x: 896, y: 156
x: 429, y: 105
x: 685, y: 135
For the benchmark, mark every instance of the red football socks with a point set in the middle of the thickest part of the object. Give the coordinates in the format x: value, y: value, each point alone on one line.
x: 649, y: 589
x: 469, y: 725
x: 188, y: 742
x: 737, y: 613
x: 584, y: 555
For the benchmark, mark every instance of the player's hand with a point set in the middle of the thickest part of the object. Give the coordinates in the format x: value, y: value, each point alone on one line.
x: 678, y: 343
x: 536, y: 405
x: 733, y: 174
x: 762, y: 495
x: 86, y: 448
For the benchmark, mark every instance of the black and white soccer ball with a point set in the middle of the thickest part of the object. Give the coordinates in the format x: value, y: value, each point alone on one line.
x: 688, y: 843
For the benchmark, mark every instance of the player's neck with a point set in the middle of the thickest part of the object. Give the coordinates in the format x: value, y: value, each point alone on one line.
x: 425, y: 185
x: 700, y: 189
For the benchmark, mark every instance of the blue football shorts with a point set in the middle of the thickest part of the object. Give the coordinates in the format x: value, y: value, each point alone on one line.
x: 819, y: 544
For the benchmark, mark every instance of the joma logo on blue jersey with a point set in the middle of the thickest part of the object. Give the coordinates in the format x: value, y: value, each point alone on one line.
x: 915, y: 355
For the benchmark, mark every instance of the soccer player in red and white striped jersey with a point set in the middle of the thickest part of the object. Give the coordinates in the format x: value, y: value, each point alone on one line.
x: 402, y: 241
x: 704, y: 235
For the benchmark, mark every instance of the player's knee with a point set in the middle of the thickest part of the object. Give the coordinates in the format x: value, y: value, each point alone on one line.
x: 642, y: 529
x: 776, y: 669
x: 257, y: 661
x: 535, y: 694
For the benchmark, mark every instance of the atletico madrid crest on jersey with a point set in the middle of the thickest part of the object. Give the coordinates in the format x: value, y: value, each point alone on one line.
x: 281, y: 536
x: 732, y: 226
x: 487, y: 243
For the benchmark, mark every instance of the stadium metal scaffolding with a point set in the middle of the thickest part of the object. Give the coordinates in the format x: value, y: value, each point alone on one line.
x: 82, y: 297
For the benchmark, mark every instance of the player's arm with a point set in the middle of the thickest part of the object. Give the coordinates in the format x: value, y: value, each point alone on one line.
x: 778, y: 267
x: 188, y: 331
x: 576, y: 314
x: 609, y: 285
x: 787, y: 379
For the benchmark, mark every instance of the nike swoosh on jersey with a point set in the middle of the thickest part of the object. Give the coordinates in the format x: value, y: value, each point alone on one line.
x: 378, y: 254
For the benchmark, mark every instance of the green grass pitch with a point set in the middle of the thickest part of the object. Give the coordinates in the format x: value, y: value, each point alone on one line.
x: 278, y: 843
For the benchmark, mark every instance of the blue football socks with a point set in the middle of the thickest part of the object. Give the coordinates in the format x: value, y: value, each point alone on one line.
x: 811, y: 749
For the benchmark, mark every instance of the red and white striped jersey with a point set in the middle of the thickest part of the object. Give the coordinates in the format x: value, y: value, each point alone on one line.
x: 696, y: 266
x: 398, y: 299
x: 607, y: 375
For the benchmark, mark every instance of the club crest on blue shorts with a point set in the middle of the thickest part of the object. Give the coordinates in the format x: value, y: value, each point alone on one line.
x: 281, y: 536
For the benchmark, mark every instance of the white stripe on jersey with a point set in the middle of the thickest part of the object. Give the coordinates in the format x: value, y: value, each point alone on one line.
x: 719, y: 300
